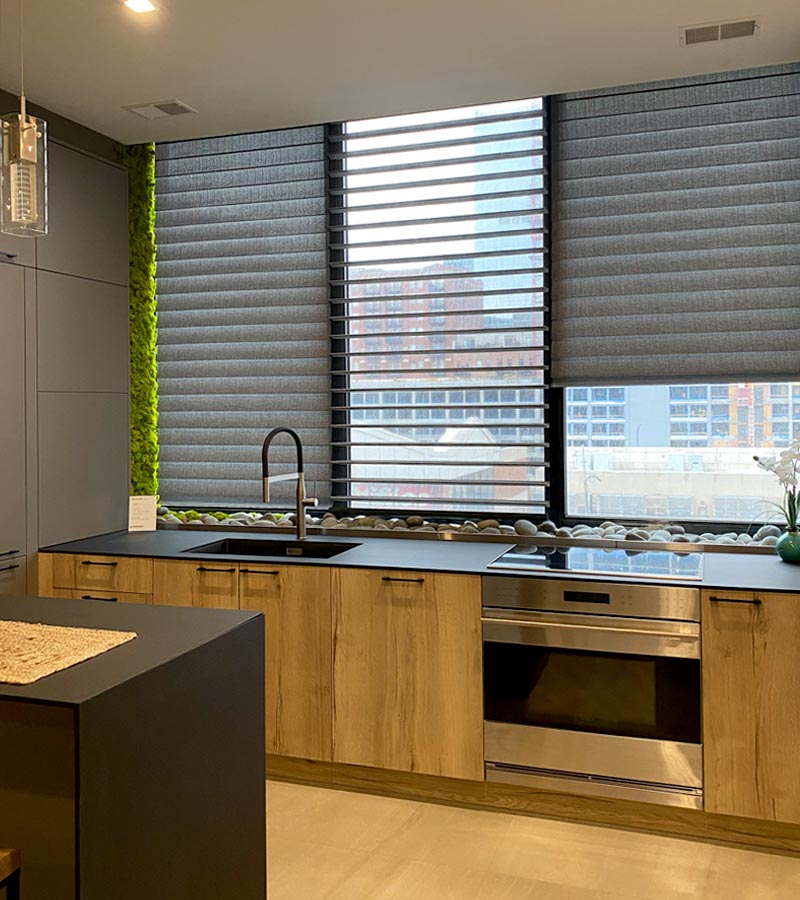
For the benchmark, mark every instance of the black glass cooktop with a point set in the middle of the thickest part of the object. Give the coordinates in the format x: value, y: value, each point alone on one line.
x: 601, y: 561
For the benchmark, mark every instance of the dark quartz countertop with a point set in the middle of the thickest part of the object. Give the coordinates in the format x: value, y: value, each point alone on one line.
x: 721, y: 571
x: 163, y: 633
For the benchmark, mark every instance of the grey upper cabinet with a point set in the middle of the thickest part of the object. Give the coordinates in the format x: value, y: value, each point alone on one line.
x: 13, y: 572
x: 12, y: 409
x: 88, y: 218
x: 82, y: 334
x: 84, y: 469
x: 22, y: 251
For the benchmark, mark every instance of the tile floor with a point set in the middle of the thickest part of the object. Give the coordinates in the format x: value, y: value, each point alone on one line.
x: 336, y: 845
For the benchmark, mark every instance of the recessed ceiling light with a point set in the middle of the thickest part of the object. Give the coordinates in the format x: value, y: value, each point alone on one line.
x: 140, y: 6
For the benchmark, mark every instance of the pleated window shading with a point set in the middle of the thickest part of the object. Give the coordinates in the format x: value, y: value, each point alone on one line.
x: 243, y: 313
x: 676, y: 231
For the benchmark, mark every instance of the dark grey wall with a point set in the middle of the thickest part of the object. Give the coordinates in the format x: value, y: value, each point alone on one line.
x: 65, y: 131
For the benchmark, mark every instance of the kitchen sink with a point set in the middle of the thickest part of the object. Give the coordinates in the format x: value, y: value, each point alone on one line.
x: 255, y: 547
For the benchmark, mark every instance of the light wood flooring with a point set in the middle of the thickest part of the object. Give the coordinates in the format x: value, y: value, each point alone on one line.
x: 336, y: 845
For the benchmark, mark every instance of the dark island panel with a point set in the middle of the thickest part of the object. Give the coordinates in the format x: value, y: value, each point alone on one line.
x: 140, y: 777
x: 173, y: 784
x: 38, y: 795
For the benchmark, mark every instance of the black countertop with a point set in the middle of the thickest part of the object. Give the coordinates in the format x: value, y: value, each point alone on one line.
x: 721, y: 571
x: 163, y: 633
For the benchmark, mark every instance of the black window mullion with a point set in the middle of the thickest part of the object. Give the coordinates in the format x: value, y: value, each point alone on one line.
x: 340, y: 377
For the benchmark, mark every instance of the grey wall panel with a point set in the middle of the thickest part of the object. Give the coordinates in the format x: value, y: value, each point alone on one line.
x: 84, y: 467
x: 82, y: 334
x: 88, y: 232
x: 12, y: 409
x: 13, y: 572
x: 23, y: 250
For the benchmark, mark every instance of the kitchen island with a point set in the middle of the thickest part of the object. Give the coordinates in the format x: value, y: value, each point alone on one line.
x: 139, y: 772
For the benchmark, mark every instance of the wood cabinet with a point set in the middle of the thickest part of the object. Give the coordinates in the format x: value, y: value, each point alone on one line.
x: 751, y: 687
x: 205, y: 584
x: 296, y: 602
x: 127, y: 579
x: 369, y: 667
x: 407, y: 672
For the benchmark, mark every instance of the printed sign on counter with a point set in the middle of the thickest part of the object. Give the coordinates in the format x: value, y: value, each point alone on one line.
x: 142, y: 513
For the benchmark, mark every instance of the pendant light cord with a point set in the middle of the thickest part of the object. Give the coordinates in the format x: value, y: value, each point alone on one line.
x: 21, y: 48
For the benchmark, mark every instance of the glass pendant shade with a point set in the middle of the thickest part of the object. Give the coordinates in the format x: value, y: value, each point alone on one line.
x: 23, y: 175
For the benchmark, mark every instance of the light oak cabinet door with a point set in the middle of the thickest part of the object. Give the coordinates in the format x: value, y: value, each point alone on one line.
x: 407, y: 677
x: 751, y: 686
x: 205, y: 584
x: 296, y: 602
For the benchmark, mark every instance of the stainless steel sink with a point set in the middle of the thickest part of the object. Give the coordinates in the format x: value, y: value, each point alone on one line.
x: 271, y: 548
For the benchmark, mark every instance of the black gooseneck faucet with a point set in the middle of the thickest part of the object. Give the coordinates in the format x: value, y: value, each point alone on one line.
x: 301, y: 500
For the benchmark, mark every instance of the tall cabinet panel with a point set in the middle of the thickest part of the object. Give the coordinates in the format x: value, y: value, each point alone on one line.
x: 83, y: 334
x: 82, y: 351
x: 12, y: 411
x: 88, y: 225
x: 83, y: 465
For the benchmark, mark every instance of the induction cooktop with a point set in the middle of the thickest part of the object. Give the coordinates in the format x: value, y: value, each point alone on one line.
x: 603, y: 561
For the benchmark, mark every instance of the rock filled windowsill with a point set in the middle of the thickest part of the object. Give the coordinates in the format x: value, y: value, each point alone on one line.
x: 764, y: 536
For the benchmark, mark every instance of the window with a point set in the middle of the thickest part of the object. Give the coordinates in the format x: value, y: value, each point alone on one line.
x: 423, y: 202
x: 419, y: 244
x: 707, y: 465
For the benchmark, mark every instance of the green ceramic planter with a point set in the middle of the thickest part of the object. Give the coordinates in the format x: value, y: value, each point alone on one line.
x: 788, y: 546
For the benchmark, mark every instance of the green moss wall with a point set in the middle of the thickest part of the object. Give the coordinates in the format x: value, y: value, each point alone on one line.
x: 140, y: 160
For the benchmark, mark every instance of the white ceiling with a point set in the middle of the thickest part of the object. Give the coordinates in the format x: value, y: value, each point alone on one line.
x: 249, y: 65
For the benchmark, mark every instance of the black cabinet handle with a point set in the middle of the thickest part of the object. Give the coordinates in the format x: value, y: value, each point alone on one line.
x: 8, y: 568
x: 209, y: 569
x: 91, y: 562
x: 9, y: 553
x: 259, y: 571
x: 409, y: 580
x: 107, y: 599
x: 755, y: 602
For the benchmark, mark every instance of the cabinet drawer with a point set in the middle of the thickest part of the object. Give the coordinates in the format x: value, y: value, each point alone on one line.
x: 212, y: 585
x: 110, y: 573
x: 111, y: 596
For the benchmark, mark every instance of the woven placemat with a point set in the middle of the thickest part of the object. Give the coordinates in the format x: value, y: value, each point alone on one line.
x: 29, y: 651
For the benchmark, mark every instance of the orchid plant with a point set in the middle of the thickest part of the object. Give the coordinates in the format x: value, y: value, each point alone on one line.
x: 786, y: 468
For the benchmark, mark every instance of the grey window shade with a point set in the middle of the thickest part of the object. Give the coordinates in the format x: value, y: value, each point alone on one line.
x: 243, y: 314
x: 439, y: 322
x: 676, y: 219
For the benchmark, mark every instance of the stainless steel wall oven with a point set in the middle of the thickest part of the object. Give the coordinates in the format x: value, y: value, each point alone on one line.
x: 593, y: 687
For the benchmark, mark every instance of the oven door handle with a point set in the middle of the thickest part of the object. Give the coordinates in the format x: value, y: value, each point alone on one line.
x: 600, y: 638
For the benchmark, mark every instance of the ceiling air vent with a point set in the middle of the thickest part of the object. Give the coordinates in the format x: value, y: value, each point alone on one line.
x: 747, y: 28
x: 161, y: 109
x: 718, y: 31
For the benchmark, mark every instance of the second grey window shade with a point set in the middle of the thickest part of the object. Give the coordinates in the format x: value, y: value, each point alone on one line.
x: 242, y: 300
x: 676, y: 227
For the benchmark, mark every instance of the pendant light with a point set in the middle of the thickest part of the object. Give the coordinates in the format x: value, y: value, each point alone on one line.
x: 23, y: 168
